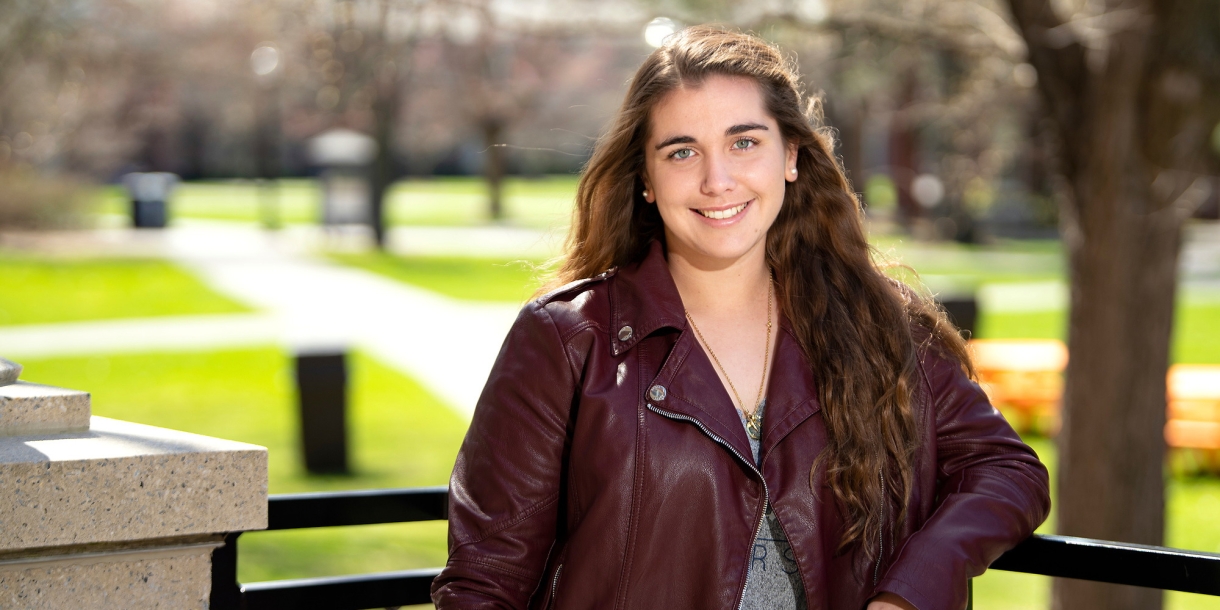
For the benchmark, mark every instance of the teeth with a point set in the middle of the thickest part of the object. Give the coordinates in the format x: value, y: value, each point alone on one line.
x: 722, y: 214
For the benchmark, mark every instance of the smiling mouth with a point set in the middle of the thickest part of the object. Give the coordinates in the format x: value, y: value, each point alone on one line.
x: 726, y: 213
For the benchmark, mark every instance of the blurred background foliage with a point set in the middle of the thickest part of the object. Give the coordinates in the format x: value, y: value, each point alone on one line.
x: 223, y: 89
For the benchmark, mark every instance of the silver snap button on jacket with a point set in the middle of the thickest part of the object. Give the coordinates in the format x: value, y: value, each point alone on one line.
x: 657, y: 393
x: 624, y: 333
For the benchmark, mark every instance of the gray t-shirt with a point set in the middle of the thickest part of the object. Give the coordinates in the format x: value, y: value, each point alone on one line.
x: 773, y: 582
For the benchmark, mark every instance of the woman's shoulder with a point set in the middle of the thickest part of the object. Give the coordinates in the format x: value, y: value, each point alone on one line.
x: 579, y: 304
x: 936, y: 360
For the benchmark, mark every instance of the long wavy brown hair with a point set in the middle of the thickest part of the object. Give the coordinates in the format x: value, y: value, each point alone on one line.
x: 857, y: 327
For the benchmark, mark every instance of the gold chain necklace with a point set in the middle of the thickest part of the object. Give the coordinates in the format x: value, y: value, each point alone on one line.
x: 753, y: 425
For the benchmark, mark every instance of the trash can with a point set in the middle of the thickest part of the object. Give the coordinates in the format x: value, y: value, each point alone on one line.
x: 344, y: 157
x: 149, y: 192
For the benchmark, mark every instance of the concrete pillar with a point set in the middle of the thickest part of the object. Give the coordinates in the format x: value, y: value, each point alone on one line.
x: 101, y: 513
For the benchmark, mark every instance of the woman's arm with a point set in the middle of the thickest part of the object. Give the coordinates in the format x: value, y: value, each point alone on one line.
x: 505, y: 488
x: 992, y: 490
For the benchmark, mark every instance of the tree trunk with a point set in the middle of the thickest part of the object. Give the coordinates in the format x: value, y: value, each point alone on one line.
x: 267, y: 153
x: 853, y: 146
x: 847, y: 116
x: 1131, y: 121
x: 1111, y: 449
x: 493, y: 129
x: 385, y: 120
x: 904, y: 152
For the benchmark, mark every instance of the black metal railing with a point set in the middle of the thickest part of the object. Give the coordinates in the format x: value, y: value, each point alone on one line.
x: 298, y: 511
x: 1058, y: 556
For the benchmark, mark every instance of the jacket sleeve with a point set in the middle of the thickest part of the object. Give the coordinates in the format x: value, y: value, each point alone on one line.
x: 992, y: 493
x: 505, y: 488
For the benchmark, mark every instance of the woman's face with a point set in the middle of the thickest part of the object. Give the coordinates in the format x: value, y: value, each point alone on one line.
x: 716, y: 167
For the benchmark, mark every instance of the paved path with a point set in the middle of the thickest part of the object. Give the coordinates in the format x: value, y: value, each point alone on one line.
x: 134, y: 335
x: 446, y: 344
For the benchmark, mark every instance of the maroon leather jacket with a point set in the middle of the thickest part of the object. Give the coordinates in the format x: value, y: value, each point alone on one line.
x: 605, y: 467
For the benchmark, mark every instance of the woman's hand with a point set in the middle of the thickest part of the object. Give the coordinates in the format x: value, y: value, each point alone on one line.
x: 889, y: 601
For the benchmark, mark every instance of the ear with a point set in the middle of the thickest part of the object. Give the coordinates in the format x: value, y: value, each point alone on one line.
x: 649, y: 196
x: 790, y: 162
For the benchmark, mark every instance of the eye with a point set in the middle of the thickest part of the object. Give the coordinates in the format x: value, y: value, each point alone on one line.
x: 744, y: 143
x: 681, y: 153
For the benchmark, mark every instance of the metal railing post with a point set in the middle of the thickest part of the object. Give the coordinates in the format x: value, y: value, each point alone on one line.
x: 226, y: 592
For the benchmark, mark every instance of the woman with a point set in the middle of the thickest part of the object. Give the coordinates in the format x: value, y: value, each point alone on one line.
x: 727, y: 405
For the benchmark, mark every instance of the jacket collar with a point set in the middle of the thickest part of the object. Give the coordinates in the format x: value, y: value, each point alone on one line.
x: 792, y: 393
x: 644, y: 298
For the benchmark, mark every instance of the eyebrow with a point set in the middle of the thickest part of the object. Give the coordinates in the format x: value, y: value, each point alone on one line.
x: 732, y: 131
x: 744, y: 127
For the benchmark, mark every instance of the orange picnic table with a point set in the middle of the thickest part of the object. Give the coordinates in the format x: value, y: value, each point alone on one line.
x: 1025, y: 378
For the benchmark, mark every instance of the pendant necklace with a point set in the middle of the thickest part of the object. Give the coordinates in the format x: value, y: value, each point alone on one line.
x: 753, y: 417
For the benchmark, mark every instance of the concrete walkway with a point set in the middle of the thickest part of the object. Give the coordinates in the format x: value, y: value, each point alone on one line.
x: 447, y: 345
x: 307, y: 303
x: 134, y: 335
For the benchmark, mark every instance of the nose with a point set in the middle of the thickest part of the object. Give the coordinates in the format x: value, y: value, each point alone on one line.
x: 717, y: 175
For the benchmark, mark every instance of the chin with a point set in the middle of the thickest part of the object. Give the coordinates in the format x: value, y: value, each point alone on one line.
x: 722, y: 246
x: 726, y: 253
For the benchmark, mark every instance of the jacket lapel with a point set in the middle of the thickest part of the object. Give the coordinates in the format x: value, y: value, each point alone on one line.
x: 694, y: 391
x: 643, y: 300
x: 791, y: 393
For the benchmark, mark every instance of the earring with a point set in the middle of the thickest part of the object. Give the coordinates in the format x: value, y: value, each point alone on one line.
x: 645, y: 194
x: 793, y: 170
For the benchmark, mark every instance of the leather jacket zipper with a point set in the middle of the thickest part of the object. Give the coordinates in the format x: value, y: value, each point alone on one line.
x: 750, y: 464
x: 880, y: 531
x: 555, y: 583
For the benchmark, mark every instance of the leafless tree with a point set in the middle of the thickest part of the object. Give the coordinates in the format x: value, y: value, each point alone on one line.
x: 1131, y: 86
x: 940, y: 81
x: 498, y: 85
x: 505, y: 68
x: 358, y: 57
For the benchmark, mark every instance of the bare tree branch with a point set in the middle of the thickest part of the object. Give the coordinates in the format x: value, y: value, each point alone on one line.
x: 1059, y: 59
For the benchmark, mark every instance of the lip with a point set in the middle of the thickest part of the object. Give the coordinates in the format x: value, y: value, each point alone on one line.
x: 701, y: 212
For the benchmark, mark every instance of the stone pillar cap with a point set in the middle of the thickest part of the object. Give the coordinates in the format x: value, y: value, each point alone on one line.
x: 31, y: 408
x: 9, y: 371
x: 119, y: 481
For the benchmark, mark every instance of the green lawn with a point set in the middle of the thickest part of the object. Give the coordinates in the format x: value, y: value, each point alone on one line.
x: 1196, y: 332
x: 543, y: 202
x: 472, y: 279
x: 948, y: 265
x: 42, y: 290
x: 283, y: 201
x: 399, y: 435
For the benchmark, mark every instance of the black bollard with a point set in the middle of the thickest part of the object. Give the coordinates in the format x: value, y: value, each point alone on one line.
x: 322, y: 395
x: 148, y: 214
x: 963, y: 312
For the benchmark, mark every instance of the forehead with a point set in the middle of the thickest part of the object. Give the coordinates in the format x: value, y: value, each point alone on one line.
x: 711, y: 106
